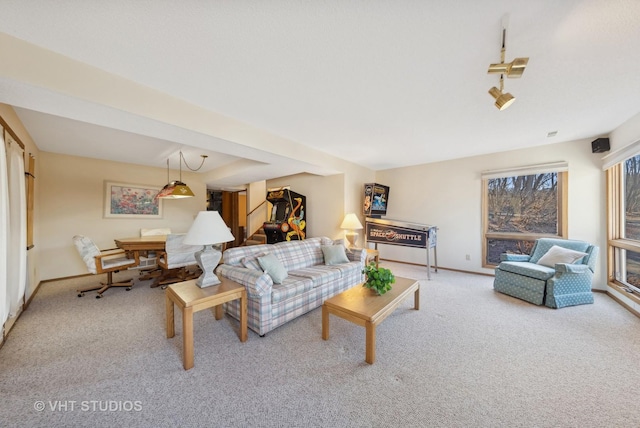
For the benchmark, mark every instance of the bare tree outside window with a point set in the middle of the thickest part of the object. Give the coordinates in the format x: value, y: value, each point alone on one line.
x: 632, y: 218
x: 520, y: 209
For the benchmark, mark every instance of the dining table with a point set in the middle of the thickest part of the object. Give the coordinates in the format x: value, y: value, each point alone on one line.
x: 145, y: 247
x: 142, y: 243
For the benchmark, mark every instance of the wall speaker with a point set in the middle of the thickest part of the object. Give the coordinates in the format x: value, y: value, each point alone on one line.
x: 600, y: 145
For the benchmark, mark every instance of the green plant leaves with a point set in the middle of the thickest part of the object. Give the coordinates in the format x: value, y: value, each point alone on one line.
x: 378, y: 279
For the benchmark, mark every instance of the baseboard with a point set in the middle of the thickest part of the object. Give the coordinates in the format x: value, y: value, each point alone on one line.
x: 438, y: 267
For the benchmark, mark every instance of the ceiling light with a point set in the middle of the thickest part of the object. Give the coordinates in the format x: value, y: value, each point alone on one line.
x: 513, y: 69
x: 177, y: 189
x: 502, y: 100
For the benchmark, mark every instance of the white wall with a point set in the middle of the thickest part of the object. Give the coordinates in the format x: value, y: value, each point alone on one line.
x: 449, y: 195
x: 72, y: 203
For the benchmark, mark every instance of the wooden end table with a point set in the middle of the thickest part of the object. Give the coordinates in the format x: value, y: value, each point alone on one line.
x: 190, y: 298
x: 365, y: 308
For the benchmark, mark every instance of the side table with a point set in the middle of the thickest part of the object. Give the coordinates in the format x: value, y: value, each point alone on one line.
x: 190, y: 298
x: 372, y: 254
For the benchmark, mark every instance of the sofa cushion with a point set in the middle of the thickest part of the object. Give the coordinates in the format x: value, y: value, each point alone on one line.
x: 274, y: 267
x: 558, y: 254
x: 291, y: 286
x: 299, y: 254
x: 319, y: 274
x: 334, y: 254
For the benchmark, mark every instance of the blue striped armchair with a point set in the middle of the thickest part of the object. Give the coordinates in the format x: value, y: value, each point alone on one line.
x: 558, y: 273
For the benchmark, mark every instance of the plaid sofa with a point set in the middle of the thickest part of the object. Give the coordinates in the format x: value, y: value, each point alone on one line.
x: 308, y: 284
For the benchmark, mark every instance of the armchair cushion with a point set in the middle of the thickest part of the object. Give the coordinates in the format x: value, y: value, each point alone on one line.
x: 558, y: 254
x: 532, y: 270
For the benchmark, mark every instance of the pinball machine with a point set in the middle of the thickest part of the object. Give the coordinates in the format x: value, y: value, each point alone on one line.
x: 287, y: 221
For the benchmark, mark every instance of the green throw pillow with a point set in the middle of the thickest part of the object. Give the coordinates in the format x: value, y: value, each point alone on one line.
x: 274, y: 267
x: 334, y: 254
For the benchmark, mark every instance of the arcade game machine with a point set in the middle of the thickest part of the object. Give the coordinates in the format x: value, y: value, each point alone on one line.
x: 287, y: 222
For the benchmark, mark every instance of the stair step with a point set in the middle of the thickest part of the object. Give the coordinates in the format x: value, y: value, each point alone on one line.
x: 253, y: 242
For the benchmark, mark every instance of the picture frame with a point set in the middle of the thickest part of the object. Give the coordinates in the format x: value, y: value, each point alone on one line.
x: 132, y: 201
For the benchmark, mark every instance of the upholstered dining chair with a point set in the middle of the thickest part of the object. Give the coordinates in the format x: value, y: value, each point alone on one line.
x: 107, y: 261
x: 176, y: 260
x: 558, y: 273
x: 149, y: 259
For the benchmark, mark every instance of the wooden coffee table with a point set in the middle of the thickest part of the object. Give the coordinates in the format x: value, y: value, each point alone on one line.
x: 365, y: 308
x: 190, y: 298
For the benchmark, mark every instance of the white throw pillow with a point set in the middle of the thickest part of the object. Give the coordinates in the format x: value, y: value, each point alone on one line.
x: 558, y: 254
x: 274, y: 267
x: 334, y: 254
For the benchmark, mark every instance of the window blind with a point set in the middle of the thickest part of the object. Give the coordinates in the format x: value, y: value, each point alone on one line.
x: 621, y: 155
x: 543, y: 168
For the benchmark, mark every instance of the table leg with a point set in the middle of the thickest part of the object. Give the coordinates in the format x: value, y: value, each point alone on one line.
x: 187, y: 337
x: 416, y: 299
x: 219, y: 312
x: 325, y: 323
x: 370, y: 350
x: 170, y: 321
x: 243, y: 317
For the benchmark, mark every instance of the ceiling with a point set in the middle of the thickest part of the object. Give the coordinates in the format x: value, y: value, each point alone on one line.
x: 380, y: 83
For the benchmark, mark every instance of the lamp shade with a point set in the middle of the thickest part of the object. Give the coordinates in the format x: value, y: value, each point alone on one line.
x: 351, y: 222
x: 207, y: 229
x: 175, y: 190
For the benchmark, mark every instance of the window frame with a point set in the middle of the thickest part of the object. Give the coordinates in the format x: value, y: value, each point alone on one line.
x: 563, y: 201
x: 616, y: 240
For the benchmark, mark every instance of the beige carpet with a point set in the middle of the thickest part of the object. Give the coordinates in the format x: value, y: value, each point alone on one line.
x: 469, y: 358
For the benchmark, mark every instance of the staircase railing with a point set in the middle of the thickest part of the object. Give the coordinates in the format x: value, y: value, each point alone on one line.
x: 251, y: 216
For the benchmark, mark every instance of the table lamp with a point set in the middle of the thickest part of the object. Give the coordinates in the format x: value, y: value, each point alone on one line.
x: 208, y: 229
x: 351, y: 223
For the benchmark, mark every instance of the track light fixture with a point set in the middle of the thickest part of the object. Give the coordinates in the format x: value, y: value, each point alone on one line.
x: 503, y: 100
x: 513, y: 69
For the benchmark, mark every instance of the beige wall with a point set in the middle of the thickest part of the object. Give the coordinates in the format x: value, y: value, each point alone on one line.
x: 9, y: 116
x: 325, y: 201
x: 448, y: 195
x: 72, y: 202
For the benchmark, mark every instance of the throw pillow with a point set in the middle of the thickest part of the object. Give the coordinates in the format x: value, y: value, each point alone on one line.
x: 558, y: 254
x: 334, y: 254
x: 251, y: 262
x: 274, y: 267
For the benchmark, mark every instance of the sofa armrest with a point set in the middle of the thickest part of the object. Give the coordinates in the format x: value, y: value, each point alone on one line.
x: 508, y: 257
x: 256, y: 282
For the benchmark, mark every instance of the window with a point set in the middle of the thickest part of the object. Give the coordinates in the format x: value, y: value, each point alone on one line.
x: 623, y: 199
x: 518, y: 209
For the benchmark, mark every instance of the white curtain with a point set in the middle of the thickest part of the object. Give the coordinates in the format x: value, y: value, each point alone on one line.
x: 4, y: 229
x: 17, y: 242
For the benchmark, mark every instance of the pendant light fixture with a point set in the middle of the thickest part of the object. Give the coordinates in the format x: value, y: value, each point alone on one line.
x: 513, y: 69
x: 177, y: 189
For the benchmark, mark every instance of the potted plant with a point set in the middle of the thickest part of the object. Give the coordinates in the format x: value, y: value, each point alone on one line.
x: 378, y: 279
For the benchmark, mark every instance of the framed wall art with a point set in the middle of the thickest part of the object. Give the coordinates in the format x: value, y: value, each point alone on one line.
x: 124, y: 200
